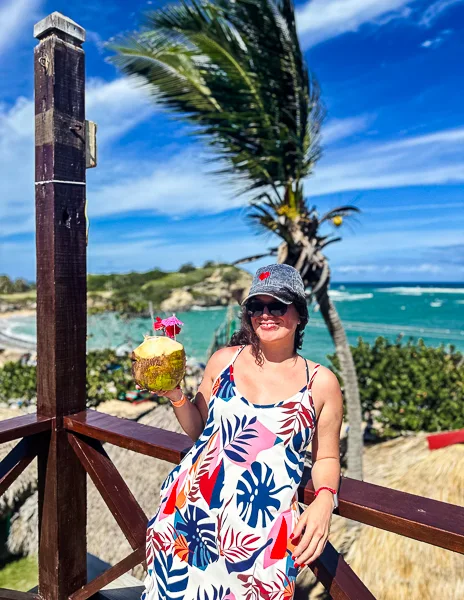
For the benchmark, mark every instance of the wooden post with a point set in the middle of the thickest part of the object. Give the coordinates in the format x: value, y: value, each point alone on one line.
x: 61, y: 298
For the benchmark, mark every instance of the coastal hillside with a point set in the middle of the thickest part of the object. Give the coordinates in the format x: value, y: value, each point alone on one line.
x: 214, y: 284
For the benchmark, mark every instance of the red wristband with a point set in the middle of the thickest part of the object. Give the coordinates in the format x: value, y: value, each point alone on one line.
x: 324, y: 487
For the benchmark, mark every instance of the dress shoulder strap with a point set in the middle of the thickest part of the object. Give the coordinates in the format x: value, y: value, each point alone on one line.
x: 310, y: 384
x: 234, y: 358
x: 313, y: 374
x: 230, y: 363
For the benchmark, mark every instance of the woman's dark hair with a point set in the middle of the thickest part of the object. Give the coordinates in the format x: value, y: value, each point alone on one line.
x: 246, y: 334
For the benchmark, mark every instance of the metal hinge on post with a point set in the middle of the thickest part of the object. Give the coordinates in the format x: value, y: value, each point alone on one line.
x: 90, y: 159
x: 90, y: 144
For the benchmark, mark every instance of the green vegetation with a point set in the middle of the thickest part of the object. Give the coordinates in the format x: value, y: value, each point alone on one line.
x: 17, y: 381
x: 130, y: 293
x: 121, y: 281
x: 21, y: 575
x: 108, y: 376
x: 411, y: 387
x: 403, y: 386
x: 17, y: 286
x: 133, y: 295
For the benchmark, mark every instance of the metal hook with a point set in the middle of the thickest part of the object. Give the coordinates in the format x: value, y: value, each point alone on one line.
x: 43, y: 61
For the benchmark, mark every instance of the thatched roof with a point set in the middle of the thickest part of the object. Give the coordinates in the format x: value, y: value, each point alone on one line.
x: 392, y: 567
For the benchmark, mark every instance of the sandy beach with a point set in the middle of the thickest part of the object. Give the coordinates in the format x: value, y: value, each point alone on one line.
x: 13, y: 347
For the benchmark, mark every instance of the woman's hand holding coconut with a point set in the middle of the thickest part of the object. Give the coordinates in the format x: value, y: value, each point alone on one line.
x: 174, y: 395
x: 158, y: 365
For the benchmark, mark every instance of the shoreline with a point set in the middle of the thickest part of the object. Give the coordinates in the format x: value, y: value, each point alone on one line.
x: 24, y: 312
x: 12, y: 344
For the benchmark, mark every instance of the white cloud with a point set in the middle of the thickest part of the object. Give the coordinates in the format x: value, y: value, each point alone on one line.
x: 339, y: 129
x: 320, y: 20
x: 115, y: 106
x: 391, y: 208
x: 438, y: 40
x: 395, y: 268
x: 406, y: 243
x: 435, y: 10
x: 177, y: 186
x: 16, y: 17
x: 435, y: 158
x: 169, y: 253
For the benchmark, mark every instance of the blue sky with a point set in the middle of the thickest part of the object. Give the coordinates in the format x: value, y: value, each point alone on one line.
x: 393, y: 144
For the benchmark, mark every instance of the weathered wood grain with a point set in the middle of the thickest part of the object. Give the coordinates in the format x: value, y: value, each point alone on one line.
x: 113, y: 579
x: 113, y: 489
x: 152, y: 441
x: 16, y: 461
x: 18, y: 427
x: 437, y: 523
x: 61, y: 300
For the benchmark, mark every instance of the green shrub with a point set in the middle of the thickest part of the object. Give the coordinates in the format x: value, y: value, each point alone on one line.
x: 409, y: 387
x: 17, y: 381
x: 187, y: 268
x: 108, y: 376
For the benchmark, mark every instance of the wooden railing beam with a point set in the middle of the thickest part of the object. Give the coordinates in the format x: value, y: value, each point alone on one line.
x: 423, y: 519
x: 14, y: 595
x: 110, y: 575
x: 437, y: 523
x: 18, y: 427
x: 143, y: 439
x: 338, y: 577
x: 16, y: 461
x: 112, y: 487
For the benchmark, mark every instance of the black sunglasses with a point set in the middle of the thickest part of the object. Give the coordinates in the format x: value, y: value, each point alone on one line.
x: 255, y: 308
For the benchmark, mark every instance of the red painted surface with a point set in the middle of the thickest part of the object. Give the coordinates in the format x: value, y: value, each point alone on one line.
x: 447, y: 438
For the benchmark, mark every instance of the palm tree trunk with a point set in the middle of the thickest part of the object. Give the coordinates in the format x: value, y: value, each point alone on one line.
x: 303, y: 256
x: 350, y: 383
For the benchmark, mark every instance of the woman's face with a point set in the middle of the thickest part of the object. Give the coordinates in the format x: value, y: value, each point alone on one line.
x: 269, y: 328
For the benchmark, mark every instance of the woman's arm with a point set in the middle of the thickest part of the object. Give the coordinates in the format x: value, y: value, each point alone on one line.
x: 312, y: 530
x: 325, y: 446
x: 192, y: 415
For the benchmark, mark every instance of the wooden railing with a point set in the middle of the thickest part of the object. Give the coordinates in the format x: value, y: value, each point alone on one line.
x: 430, y: 521
x: 66, y: 438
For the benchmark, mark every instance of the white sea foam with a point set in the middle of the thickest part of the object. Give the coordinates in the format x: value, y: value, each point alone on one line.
x: 339, y: 296
x: 388, y: 328
x: 203, y: 308
x: 11, y: 338
x: 418, y: 290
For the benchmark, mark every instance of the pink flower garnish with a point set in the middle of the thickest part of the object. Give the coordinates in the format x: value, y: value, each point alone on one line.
x: 171, y: 321
x: 172, y: 330
x: 171, y: 326
x: 158, y: 324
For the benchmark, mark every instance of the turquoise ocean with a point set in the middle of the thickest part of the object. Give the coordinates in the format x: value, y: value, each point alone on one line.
x: 433, y: 312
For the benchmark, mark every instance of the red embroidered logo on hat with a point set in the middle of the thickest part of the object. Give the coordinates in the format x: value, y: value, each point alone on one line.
x: 264, y: 275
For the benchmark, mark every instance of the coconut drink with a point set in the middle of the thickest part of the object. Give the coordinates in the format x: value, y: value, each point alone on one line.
x: 158, y: 364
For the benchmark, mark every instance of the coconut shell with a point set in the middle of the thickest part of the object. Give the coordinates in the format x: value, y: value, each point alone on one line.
x: 158, y: 364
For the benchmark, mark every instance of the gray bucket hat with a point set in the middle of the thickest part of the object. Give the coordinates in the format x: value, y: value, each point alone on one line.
x: 282, y: 282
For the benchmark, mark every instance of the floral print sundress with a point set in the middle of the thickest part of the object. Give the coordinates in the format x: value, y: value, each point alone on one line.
x: 222, y: 529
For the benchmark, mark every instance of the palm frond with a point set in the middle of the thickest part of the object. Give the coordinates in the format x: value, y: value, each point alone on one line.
x: 341, y: 211
x: 236, y: 72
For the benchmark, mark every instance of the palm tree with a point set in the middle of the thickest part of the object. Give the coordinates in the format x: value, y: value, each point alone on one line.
x: 234, y: 70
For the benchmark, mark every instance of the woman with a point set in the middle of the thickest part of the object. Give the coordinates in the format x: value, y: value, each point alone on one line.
x: 229, y: 526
